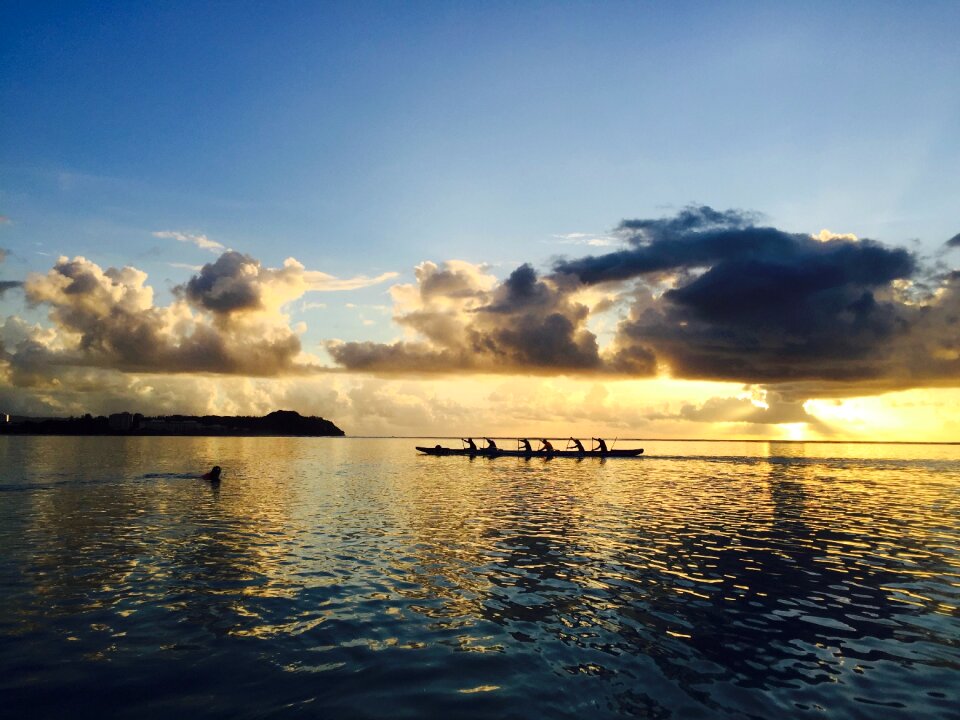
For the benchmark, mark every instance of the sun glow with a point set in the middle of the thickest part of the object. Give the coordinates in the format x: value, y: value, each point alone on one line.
x: 794, y: 431
x: 919, y: 415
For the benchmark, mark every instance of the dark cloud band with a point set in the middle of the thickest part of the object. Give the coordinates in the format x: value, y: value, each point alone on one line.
x: 704, y: 294
x: 743, y: 303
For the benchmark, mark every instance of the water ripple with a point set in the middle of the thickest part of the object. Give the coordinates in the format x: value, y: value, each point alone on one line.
x: 339, y: 578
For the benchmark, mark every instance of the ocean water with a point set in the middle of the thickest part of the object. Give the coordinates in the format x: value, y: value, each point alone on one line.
x: 352, y: 578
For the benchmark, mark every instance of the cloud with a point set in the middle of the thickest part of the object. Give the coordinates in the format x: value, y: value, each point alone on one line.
x: 79, y: 390
x: 591, y: 239
x: 321, y: 282
x: 201, y: 241
x: 237, y: 282
x: 773, y: 409
x: 760, y: 305
x: 714, y: 297
x: 704, y: 294
x: 232, y: 283
x: 106, y: 318
x: 230, y: 260
x: 826, y: 235
x: 230, y: 318
x: 711, y: 294
x: 9, y: 285
x: 461, y: 318
x: 701, y: 237
x: 186, y: 266
x: 358, y: 405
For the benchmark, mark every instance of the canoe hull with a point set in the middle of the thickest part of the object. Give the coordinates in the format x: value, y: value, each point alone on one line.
x: 632, y: 452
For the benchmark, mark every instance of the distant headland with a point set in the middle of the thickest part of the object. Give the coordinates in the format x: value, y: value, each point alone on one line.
x: 279, y: 422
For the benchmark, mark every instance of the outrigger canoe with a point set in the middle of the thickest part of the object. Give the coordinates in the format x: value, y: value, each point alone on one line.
x: 483, y: 452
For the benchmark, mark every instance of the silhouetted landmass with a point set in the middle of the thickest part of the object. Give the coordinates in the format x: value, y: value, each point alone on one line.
x: 279, y: 422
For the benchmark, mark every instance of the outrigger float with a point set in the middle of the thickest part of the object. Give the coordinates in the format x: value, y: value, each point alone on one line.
x: 521, y: 452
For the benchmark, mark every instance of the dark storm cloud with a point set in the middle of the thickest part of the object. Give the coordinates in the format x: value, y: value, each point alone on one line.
x: 757, y: 304
x: 531, y: 323
x: 705, y: 238
x: 520, y: 290
x: 692, y: 217
x: 770, y: 321
x: 524, y: 324
x: 229, y: 284
x: 9, y: 285
x: 714, y: 296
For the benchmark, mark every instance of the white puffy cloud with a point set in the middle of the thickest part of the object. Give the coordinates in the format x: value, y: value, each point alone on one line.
x: 228, y: 319
x: 107, y: 318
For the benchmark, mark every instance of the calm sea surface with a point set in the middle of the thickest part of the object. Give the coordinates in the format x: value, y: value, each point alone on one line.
x: 352, y: 578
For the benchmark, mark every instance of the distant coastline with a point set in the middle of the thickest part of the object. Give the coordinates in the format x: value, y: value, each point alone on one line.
x: 277, y: 423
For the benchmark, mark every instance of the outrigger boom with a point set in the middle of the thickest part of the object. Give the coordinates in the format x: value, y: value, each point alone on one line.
x: 498, y: 452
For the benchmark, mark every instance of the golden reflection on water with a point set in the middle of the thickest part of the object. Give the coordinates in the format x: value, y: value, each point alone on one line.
x: 150, y: 530
x: 699, y: 563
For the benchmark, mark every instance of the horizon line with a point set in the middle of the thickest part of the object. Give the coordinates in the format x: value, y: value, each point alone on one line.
x: 653, y: 439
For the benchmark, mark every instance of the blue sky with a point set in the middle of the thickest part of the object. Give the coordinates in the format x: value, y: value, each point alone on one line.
x: 399, y: 132
x: 363, y: 138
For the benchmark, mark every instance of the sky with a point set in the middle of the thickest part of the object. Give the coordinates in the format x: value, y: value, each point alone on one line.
x: 700, y: 220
